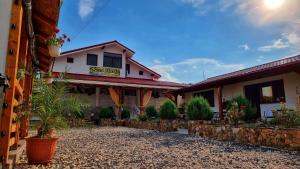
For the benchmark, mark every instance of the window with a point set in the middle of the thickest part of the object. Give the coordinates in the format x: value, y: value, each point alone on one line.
x: 272, y: 92
x: 130, y: 92
x: 267, y: 93
x: 141, y: 73
x: 127, y: 68
x: 70, y: 60
x: 112, y: 60
x: 208, y: 95
x: 92, y: 59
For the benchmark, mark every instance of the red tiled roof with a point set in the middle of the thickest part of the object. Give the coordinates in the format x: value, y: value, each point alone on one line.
x: 139, y: 64
x: 97, y: 45
x: 260, y: 71
x: 126, y: 80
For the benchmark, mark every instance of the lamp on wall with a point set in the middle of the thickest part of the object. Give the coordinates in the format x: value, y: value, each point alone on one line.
x: 3, y: 85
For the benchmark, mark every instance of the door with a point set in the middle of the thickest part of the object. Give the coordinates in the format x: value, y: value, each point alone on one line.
x: 252, y: 93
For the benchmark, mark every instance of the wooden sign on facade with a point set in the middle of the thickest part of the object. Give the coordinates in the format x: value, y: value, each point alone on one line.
x: 104, y: 71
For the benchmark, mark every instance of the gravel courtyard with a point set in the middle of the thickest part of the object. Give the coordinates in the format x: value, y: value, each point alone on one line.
x: 120, y: 147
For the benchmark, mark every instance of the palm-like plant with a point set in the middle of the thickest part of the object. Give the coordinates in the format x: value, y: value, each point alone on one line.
x: 50, y: 104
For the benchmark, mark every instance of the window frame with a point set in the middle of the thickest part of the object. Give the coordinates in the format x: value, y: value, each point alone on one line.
x: 141, y: 73
x: 278, y: 92
x: 127, y: 68
x: 113, y: 57
x: 87, y: 59
x: 71, y: 59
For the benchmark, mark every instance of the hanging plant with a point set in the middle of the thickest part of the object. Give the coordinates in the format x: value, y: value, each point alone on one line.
x: 55, y: 43
x: 20, y: 74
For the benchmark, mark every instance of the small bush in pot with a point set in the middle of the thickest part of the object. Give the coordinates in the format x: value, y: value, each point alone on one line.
x: 198, y: 108
x: 168, y: 110
x: 125, y: 114
x: 151, y: 112
x: 106, y: 113
x: 48, y: 105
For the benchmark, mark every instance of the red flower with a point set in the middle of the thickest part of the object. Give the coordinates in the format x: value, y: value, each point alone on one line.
x: 68, y: 39
x: 65, y: 36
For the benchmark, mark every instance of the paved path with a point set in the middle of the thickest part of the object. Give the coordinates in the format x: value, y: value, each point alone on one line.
x: 120, y: 147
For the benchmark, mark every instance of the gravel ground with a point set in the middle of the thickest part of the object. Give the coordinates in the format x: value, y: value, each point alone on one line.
x: 120, y: 147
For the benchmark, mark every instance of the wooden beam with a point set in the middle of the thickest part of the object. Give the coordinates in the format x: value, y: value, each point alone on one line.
x: 220, y: 102
x: 11, y: 71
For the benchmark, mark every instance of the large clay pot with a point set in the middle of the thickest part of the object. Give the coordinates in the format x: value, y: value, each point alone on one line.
x: 54, y: 50
x: 40, y: 150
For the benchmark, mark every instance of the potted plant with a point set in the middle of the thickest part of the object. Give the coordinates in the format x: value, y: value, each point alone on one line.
x: 55, y: 43
x: 48, y: 105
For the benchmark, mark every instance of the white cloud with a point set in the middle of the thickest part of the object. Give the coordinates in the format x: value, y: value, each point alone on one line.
x: 292, y: 38
x: 253, y: 11
x: 181, y: 71
x: 86, y: 8
x: 245, y: 47
x: 287, y: 40
x: 166, y: 72
x: 156, y: 61
x: 199, y: 5
x: 276, y: 44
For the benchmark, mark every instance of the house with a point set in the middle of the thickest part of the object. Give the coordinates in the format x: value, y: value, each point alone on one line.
x: 107, y: 75
x: 265, y: 86
x: 24, y: 27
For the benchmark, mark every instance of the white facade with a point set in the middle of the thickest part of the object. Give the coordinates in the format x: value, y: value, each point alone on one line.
x: 291, y: 82
x: 5, y: 12
x: 79, y: 66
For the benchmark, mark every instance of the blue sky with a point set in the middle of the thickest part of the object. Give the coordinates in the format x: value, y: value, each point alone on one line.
x: 187, y: 40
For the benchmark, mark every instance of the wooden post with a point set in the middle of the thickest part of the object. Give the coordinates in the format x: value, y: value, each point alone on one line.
x: 97, y: 96
x: 141, y: 101
x: 220, y: 103
x: 11, y: 71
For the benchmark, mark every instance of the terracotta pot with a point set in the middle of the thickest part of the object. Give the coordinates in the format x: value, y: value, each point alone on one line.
x: 54, y: 51
x: 40, y: 150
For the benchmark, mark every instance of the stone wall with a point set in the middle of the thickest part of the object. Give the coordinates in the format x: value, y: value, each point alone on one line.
x: 162, y: 125
x: 273, y: 137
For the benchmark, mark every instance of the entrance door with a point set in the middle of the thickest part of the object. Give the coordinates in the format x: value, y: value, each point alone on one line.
x: 252, y: 93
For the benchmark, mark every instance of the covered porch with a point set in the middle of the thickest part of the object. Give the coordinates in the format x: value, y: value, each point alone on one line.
x: 134, y: 94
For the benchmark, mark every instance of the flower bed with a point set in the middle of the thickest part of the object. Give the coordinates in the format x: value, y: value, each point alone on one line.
x: 162, y: 125
x: 273, y: 137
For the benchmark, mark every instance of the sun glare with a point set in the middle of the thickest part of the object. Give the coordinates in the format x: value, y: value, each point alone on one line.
x: 273, y: 4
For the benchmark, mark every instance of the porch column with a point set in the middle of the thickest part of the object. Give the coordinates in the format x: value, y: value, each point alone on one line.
x: 220, y: 103
x: 97, y: 96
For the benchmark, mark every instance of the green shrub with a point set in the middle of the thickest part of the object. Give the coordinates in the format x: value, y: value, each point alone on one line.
x: 151, y: 112
x: 168, y: 110
x: 198, y: 109
x: 248, y: 114
x: 286, y: 117
x: 125, y: 114
x: 106, y: 113
x: 142, y: 117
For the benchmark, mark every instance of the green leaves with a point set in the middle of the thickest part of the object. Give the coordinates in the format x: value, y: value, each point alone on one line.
x: 198, y: 108
x: 168, y: 110
x: 51, y: 104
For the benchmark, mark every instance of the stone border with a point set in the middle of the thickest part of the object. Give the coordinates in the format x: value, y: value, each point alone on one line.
x: 162, y: 125
x: 273, y: 137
